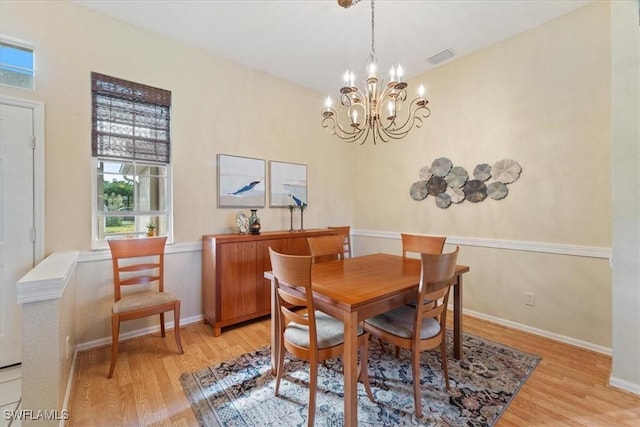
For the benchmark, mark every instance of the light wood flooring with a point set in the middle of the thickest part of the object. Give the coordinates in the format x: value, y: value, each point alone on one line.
x: 568, y: 388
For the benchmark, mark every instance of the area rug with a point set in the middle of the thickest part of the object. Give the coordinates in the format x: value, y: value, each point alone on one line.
x: 240, y: 392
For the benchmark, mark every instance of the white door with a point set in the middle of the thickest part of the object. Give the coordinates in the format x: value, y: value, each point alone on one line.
x: 17, y: 240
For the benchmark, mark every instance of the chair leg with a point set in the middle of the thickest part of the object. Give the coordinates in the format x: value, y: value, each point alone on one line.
x: 162, y: 324
x: 364, y: 365
x: 443, y: 352
x: 313, y: 384
x: 415, y: 362
x: 115, y: 334
x: 176, y: 326
x: 280, y: 366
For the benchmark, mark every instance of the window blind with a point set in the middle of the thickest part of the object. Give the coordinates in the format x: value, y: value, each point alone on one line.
x: 130, y: 120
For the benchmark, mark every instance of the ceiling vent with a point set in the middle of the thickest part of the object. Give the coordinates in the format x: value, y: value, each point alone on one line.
x: 442, y: 56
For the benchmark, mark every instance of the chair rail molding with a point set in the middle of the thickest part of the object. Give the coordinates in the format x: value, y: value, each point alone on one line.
x: 515, y: 245
x: 171, y: 248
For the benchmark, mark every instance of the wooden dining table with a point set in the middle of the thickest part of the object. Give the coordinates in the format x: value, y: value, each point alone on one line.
x: 355, y: 289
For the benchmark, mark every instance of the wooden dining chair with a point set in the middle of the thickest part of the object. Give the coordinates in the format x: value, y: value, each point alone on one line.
x: 139, y: 263
x: 306, y: 333
x: 326, y: 248
x: 345, y: 232
x: 421, y: 244
x: 425, y: 329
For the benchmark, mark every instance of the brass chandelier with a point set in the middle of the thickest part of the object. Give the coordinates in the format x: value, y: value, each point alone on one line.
x: 377, y: 110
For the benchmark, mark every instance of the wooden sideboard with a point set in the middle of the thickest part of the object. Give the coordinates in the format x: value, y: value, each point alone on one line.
x: 233, y: 285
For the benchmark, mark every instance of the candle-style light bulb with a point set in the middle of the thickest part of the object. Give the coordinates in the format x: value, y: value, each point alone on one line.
x: 346, y: 77
x: 372, y: 69
x: 327, y: 102
x: 400, y: 72
x: 391, y: 109
x: 352, y: 77
x: 421, y: 90
x: 393, y: 74
x: 354, y: 116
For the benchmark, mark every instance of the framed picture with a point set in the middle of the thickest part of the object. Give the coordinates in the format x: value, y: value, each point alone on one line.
x: 288, y: 184
x: 241, y: 182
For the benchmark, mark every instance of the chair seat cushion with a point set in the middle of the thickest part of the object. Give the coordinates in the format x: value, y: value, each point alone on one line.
x: 400, y: 322
x: 140, y: 300
x: 330, y: 332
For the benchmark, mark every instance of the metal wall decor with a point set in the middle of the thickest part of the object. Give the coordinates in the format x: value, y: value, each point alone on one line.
x: 451, y: 184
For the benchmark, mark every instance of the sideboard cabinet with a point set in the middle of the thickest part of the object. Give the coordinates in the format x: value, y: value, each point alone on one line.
x: 233, y: 285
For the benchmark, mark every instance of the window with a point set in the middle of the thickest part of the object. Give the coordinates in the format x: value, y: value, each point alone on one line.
x: 16, y: 65
x: 131, y: 147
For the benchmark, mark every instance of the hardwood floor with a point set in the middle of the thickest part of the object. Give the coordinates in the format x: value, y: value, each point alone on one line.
x: 568, y: 388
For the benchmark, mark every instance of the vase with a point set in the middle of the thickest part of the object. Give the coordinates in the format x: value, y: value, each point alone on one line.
x: 254, y: 222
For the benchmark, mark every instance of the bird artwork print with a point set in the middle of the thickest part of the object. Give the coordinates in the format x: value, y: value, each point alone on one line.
x: 298, y: 201
x: 245, y: 189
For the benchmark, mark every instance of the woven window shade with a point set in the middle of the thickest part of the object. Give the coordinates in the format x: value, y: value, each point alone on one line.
x: 130, y: 120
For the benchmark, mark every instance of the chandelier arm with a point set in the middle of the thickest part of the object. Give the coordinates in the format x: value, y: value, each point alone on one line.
x: 418, y: 111
x: 329, y: 122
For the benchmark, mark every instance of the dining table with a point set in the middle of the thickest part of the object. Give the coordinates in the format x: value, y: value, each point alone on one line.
x: 358, y: 288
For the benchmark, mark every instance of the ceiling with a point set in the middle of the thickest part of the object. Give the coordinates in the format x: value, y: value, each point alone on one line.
x: 312, y: 42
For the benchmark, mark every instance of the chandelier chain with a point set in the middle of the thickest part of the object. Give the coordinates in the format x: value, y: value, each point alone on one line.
x: 373, y: 45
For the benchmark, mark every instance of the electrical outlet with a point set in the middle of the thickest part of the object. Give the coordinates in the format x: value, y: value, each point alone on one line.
x: 529, y: 298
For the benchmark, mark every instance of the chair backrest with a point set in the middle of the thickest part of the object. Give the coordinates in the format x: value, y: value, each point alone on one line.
x: 422, y: 244
x: 345, y: 232
x: 435, y: 281
x: 292, y: 276
x: 326, y: 248
x: 137, y: 261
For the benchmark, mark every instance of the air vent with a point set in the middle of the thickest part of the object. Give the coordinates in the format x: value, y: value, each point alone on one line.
x: 442, y: 56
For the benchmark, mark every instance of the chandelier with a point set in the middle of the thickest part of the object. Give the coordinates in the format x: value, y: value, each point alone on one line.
x: 376, y: 110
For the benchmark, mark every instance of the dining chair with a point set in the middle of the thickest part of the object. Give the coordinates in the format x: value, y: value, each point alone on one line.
x: 304, y: 332
x: 345, y: 232
x: 139, y: 263
x: 326, y: 248
x: 425, y: 329
x: 421, y: 244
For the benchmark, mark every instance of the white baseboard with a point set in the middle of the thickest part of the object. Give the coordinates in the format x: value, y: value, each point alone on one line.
x: 540, y: 332
x: 624, y: 385
x: 101, y: 342
x: 67, y: 393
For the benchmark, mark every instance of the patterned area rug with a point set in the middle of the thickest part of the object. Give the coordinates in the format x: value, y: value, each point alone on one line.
x: 240, y: 392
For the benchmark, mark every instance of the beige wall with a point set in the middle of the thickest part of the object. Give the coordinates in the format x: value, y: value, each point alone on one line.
x: 218, y: 107
x: 541, y: 98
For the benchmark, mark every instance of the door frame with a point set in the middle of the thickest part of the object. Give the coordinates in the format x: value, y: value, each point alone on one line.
x: 38, y: 169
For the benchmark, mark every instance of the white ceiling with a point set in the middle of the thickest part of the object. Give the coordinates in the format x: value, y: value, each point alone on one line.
x: 312, y: 42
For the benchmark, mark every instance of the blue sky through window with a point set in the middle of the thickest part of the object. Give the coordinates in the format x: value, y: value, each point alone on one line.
x: 16, y: 59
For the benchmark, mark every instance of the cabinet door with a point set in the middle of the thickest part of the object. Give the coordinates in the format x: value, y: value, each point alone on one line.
x: 238, y: 293
x: 298, y: 246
